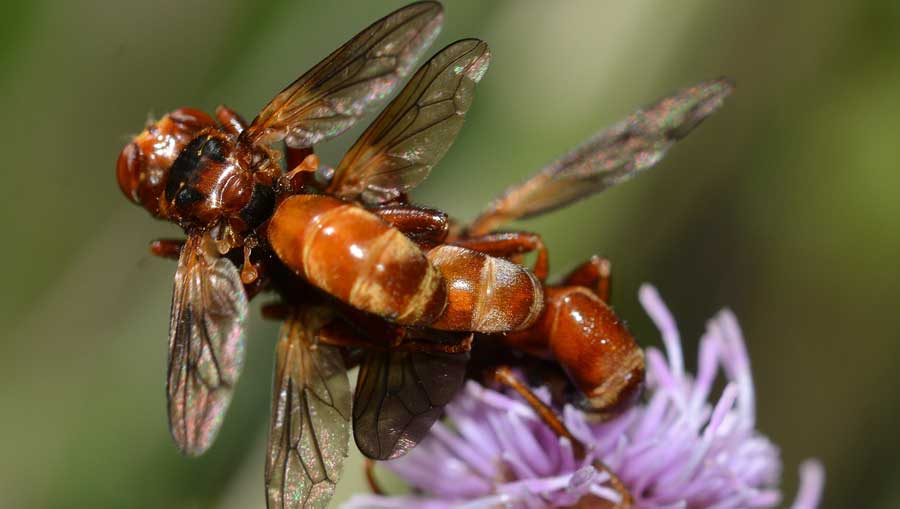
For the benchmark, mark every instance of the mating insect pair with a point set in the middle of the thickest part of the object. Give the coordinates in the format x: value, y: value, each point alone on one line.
x: 344, y: 250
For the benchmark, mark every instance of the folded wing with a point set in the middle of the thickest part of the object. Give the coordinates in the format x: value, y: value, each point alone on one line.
x: 334, y: 94
x: 609, y: 157
x: 309, y: 432
x: 399, y: 396
x: 206, y: 345
x: 416, y: 129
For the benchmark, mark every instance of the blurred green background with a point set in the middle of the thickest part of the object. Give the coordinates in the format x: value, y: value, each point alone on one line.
x: 783, y: 206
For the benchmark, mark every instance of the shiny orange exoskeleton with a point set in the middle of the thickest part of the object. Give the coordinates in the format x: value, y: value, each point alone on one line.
x: 578, y: 330
x: 356, y: 256
x: 485, y: 293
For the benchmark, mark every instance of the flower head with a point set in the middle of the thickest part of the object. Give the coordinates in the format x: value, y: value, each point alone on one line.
x: 677, y: 450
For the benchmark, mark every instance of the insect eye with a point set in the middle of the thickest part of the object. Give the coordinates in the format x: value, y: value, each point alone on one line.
x: 128, y: 171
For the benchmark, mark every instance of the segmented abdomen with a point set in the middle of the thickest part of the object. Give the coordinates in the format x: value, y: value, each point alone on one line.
x: 355, y: 256
x: 484, y: 293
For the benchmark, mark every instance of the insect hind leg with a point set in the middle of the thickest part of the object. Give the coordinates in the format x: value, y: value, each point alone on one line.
x: 426, y: 226
x: 594, y: 274
x: 505, y: 376
x: 511, y: 244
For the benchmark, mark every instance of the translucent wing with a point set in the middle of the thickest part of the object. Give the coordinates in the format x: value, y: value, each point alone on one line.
x: 206, y: 345
x: 399, y: 395
x: 610, y: 157
x: 309, y: 433
x: 334, y: 94
x: 415, y: 131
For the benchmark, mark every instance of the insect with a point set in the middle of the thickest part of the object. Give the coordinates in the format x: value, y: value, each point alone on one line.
x: 251, y: 227
x: 219, y: 181
x: 577, y: 329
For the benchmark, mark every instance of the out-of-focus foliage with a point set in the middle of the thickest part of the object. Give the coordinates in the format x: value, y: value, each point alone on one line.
x: 782, y: 206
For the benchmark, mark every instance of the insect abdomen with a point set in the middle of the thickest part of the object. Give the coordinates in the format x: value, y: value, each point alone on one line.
x: 484, y: 293
x: 355, y: 256
x: 593, y: 345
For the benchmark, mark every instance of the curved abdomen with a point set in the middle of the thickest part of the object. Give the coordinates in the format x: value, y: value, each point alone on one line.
x: 355, y: 256
x: 584, y: 335
x: 484, y: 293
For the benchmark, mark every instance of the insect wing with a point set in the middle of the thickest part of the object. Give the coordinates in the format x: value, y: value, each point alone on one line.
x: 415, y: 131
x: 399, y: 396
x: 309, y: 433
x: 334, y: 94
x: 609, y: 157
x: 206, y: 345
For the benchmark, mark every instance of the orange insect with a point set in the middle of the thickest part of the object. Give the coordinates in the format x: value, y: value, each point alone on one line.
x: 219, y: 181
x: 250, y: 226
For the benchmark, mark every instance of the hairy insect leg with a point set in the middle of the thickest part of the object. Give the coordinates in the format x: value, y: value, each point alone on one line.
x: 167, y: 248
x: 231, y: 120
x: 507, y: 244
x: 595, y: 274
x: 506, y: 377
x: 426, y: 226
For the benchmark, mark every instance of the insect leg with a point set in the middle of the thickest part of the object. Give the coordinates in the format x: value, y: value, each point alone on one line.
x: 337, y: 334
x: 595, y: 274
x: 461, y: 346
x: 506, y: 377
x: 507, y: 244
x: 427, y: 227
x: 167, y: 248
x: 369, y: 466
x: 231, y: 120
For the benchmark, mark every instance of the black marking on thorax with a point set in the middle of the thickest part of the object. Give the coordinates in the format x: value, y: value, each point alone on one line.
x: 186, y: 169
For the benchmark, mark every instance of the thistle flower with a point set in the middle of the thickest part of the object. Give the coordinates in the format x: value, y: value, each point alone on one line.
x: 678, y: 450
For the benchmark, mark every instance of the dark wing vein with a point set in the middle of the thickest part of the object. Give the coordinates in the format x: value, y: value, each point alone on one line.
x: 206, y: 345
x: 416, y: 129
x: 399, y: 396
x: 309, y: 432
x: 329, y: 98
x: 609, y: 157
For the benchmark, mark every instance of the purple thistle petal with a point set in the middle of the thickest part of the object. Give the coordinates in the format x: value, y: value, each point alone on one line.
x: 682, y: 449
x: 812, y: 483
x: 664, y: 321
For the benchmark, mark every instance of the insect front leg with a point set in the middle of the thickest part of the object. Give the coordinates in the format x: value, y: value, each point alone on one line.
x: 595, y: 274
x: 426, y: 226
x: 167, y: 248
x: 231, y: 120
x: 508, y: 244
